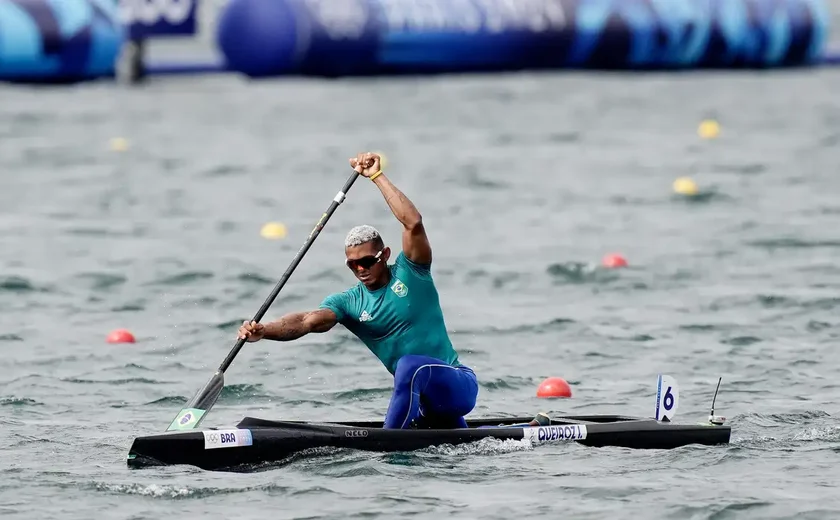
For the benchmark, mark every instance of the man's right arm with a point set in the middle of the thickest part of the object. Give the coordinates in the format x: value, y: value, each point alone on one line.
x: 295, y: 325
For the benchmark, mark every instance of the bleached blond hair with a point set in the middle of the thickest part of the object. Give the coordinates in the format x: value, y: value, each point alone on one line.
x: 362, y: 235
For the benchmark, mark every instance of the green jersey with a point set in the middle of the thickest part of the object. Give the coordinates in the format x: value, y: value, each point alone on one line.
x: 402, y: 317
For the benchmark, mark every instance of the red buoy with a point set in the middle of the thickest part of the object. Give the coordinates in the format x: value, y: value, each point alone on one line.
x: 613, y: 261
x: 554, y: 387
x: 120, y: 336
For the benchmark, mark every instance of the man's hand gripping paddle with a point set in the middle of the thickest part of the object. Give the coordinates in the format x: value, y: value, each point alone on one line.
x: 191, y: 415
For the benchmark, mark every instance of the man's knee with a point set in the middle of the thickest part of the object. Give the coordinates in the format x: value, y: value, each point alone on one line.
x: 464, y: 400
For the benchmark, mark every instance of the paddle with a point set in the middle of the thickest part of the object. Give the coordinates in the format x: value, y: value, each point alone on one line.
x: 191, y: 415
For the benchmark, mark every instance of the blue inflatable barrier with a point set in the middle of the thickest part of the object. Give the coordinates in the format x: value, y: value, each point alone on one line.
x: 58, y: 40
x: 361, y: 37
x: 74, y: 40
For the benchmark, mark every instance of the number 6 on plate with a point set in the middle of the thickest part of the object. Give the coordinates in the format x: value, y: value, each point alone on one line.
x: 667, y: 398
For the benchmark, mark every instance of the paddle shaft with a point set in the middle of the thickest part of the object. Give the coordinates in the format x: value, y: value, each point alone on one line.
x: 339, y: 198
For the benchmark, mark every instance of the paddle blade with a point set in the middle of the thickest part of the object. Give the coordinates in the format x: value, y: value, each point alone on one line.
x: 190, y: 416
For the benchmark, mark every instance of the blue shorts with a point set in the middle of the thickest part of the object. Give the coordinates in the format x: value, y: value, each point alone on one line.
x: 431, y: 393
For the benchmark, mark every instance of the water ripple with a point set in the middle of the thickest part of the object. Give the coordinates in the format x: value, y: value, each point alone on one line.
x: 525, y: 182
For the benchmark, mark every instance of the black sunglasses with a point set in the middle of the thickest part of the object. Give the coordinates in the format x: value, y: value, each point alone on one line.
x: 365, y: 262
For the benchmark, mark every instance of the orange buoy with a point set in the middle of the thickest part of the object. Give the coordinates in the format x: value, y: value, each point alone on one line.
x: 120, y: 336
x: 554, y: 387
x: 613, y: 261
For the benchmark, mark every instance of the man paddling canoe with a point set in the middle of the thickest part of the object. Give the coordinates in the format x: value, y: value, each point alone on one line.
x: 395, y: 311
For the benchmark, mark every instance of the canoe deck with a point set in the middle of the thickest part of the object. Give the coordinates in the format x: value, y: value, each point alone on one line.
x: 255, y: 441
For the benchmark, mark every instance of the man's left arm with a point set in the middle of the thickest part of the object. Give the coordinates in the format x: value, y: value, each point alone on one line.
x: 415, y: 243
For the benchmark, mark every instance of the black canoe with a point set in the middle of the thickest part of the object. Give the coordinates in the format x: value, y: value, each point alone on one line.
x: 257, y: 441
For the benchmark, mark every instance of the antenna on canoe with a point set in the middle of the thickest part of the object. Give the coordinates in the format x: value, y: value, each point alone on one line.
x: 712, y: 417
